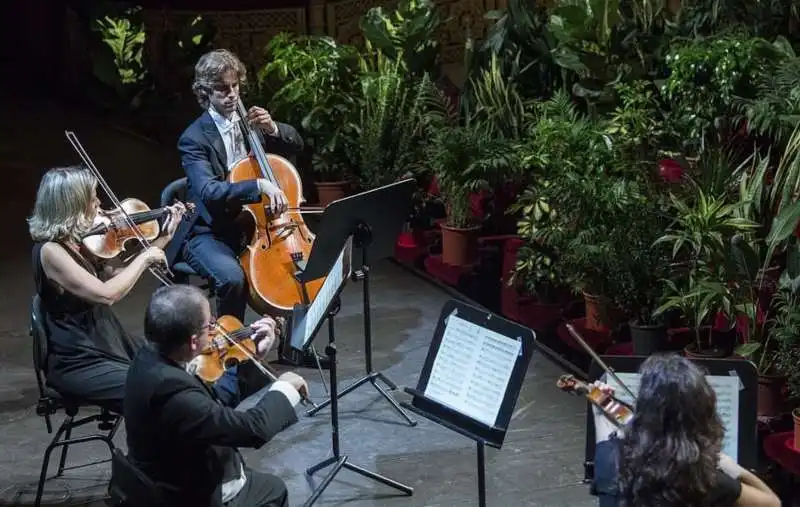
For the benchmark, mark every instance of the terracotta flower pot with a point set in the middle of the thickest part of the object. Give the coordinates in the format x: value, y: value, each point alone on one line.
x: 714, y: 351
x: 770, y: 395
x: 329, y: 191
x: 596, y: 313
x: 459, y: 245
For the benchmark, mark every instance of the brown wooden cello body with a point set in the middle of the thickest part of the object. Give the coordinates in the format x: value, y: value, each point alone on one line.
x: 276, y: 244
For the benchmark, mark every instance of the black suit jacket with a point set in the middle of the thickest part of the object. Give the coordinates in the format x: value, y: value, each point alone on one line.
x: 217, y: 201
x: 181, y: 437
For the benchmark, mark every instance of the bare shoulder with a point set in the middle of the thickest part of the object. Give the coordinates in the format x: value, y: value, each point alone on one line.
x: 52, y: 251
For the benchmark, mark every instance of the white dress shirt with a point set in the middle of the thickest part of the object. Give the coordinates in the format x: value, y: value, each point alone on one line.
x: 232, y: 136
x: 232, y: 488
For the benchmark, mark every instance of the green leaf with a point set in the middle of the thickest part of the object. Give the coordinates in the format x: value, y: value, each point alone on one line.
x: 748, y: 349
x: 784, y: 224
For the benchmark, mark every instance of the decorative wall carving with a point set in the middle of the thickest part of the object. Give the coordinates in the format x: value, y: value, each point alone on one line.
x: 248, y: 32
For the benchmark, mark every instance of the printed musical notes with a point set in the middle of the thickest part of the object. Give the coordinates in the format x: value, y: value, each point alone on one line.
x: 472, y: 369
x: 316, y: 311
x: 727, y: 390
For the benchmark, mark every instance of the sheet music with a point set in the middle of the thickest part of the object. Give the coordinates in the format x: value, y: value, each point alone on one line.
x: 318, y: 307
x: 472, y: 369
x: 727, y: 390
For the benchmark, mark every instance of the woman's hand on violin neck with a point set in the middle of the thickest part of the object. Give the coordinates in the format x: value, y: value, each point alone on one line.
x: 604, y: 388
x: 264, y: 335
x: 176, y: 212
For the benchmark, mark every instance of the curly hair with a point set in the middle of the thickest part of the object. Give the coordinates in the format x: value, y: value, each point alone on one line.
x: 670, y: 451
x: 209, y: 71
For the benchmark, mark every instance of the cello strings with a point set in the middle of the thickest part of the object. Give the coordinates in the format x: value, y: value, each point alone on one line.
x: 78, y: 147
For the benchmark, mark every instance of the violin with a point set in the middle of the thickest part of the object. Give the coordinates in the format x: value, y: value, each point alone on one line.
x: 163, y: 275
x: 230, y: 345
x: 113, y: 229
x: 618, y: 412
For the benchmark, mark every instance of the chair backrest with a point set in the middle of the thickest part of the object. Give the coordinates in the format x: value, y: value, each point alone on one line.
x: 175, y: 191
x: 40, y: 338
x: 129, y: 486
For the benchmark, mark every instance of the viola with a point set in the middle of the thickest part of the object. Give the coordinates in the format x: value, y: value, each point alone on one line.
x: 618, y: 412
x: 114, y: 229
x: 231, y: 344
x: 278, y: 244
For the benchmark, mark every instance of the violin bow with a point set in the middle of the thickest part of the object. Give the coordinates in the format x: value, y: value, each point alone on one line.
x: 79, y: 149
x: 602, y: 364
x: 263, y: 369
x: 76, y: 144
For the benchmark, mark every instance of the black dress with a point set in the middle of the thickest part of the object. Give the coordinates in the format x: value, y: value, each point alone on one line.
x: 88, y: 351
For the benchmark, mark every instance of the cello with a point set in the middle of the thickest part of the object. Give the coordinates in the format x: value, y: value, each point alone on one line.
x: 236, y: 343
x: 278, y: 246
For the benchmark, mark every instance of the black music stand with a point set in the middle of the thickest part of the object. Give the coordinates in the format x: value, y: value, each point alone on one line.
x: 373, y: 219
x: 306, y: 321
x: 480, y: 349
x: 747, y: 448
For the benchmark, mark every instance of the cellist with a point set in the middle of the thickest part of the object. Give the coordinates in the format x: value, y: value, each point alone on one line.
x: 212, y: 242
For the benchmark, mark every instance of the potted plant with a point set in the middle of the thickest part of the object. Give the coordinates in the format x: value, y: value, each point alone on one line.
x: 465, y: 161
x: 635, y: 269
x: 700, y: 298
x: 317, y: 79
x: 536, y: 274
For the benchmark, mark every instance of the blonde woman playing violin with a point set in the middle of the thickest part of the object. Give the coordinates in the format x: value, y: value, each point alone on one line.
x: 89, y: 351
x: 669, y: 454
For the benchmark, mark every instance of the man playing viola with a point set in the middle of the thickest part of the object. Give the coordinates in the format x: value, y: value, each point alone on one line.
x: 179, y: 434
x: 210, y: 147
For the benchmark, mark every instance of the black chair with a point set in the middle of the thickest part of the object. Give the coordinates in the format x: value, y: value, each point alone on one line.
x: 51, y: 401
x: 130, y: 487
x: 176, y: 191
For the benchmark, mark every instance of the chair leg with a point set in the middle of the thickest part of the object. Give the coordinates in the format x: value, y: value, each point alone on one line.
x: 64, y: 449
x: 65, y: 426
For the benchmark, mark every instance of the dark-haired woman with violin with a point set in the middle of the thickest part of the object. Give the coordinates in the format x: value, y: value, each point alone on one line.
x: 669, y: 452
x: 89, y: 351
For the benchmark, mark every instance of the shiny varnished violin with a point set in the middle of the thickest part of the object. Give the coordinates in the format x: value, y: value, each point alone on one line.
x: 240, y: 344
x: 114, y: 229
x: 230, y: 344
x: 618, y: 412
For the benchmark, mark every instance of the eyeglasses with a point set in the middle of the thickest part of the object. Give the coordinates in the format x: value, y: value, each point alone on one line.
x: 211, y: 324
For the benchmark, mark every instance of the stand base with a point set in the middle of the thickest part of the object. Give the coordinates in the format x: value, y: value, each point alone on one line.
x: 342, y: 462
x: 371, y: 378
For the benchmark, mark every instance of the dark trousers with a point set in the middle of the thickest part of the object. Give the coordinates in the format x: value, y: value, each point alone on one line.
x: 261, y: 490
x: 217, y: 260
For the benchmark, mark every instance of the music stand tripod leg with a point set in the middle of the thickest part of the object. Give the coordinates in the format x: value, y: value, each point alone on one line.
x: 362, y: 240
x: 339, y: 460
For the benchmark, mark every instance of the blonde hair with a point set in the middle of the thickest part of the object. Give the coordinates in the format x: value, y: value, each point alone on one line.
x: 209, y: 71
x: 62, y: 202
